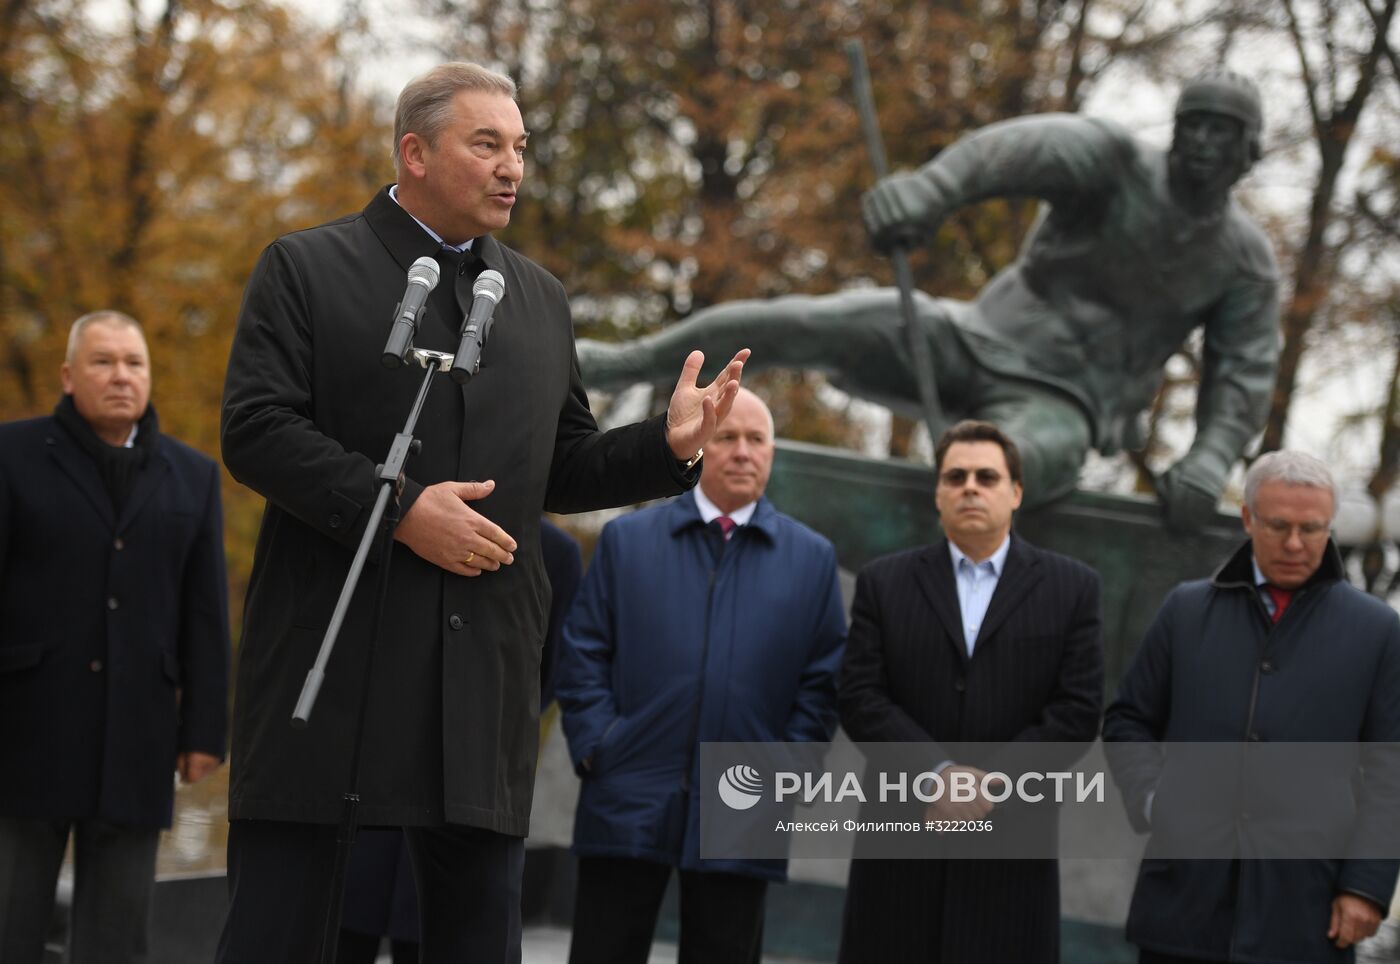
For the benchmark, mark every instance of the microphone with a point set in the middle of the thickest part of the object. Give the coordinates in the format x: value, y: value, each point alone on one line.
x: 489, y: 289
x: 422, y: 279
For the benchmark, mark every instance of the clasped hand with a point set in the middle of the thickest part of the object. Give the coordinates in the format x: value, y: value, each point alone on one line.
x: 193, y: 766
x: 946, y: 809
x: 1353, y: 919
x: 443, y: 528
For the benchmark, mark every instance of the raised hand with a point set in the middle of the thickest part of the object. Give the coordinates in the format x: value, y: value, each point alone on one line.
x: 695, y: 412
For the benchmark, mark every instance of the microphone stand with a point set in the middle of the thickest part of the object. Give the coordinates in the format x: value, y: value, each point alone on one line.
x: 390, y: 479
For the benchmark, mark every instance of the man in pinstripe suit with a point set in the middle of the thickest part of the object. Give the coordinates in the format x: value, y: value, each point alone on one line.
x: 980, y: 637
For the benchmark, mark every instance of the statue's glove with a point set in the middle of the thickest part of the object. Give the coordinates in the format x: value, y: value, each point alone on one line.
x: 1190, y: 492
x: 901, y: 211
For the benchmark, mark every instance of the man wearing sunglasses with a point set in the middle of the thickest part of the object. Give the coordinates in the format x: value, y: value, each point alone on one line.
x: 977, y: 638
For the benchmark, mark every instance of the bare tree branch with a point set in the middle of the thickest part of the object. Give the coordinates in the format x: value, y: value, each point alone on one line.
x: 1295, y: 33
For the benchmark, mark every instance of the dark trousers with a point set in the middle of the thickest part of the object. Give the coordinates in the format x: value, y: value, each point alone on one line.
x: 1152, y: 957
x: 113, y: 877
x: 279, y: 877
x: 617, y: 903
x: 357, y: 948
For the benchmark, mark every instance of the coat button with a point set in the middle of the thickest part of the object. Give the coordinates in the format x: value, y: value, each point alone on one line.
x: 1253, y: 737
x: 960, y: 685
x: 95, y: 666
x: 455, y: 621
x: 335, y: 520
x: 118, y: 544
x: 112, y: 602
x: 1266, y: 667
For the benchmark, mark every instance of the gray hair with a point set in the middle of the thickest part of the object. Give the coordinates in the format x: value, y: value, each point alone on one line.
x: 1290, y: 468
x: 106, y: 316
x: 425, y: 104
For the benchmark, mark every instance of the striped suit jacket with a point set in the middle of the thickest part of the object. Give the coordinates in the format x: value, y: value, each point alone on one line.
x: 1035, y: 674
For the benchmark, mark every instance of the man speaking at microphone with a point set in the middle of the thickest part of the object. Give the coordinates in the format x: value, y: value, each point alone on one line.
x: 451, y: 732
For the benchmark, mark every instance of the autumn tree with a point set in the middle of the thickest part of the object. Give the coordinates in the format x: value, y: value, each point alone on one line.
x: 144, y: 162
x: 1377, y: 204
x: 1342, y: 53
x: 687, y: 152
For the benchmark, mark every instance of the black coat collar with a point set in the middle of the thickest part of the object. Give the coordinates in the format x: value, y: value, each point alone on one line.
x: 684, y: 513
x: 407, y: 241
x: 75, y: 462
x: 1238, y: 570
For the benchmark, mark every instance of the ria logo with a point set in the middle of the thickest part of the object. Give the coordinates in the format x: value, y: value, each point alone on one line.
x: 740, y: 787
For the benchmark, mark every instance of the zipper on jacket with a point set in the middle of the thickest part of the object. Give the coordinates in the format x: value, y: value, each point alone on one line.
x: 1249, y: 718
x: 1263, y: 655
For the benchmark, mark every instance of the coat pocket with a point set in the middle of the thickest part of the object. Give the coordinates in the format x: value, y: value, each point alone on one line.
x: 21, y: 656
x: 605, y: 743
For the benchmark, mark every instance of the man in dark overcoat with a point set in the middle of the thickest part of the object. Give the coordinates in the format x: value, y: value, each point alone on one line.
x: 1276, y: 647
x: 451, y: 734
x: 380, y: 897
x: 978, y: 638
x: 113, y: 646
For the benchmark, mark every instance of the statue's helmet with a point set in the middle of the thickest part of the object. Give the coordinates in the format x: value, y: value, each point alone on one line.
x: 1222, y: 91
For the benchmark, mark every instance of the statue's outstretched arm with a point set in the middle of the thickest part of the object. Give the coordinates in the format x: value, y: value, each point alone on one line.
x: 853, y: 335
x: 1055, y: 157
x: 1239, y: 365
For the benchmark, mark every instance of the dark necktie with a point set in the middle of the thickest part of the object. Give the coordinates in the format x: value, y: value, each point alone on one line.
x: 450, y: 259
x: 459, y: 271
x: 726, y: 526
x: 1281, y: 598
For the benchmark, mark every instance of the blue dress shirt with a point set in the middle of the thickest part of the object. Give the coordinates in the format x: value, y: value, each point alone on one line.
x: 976, y: 583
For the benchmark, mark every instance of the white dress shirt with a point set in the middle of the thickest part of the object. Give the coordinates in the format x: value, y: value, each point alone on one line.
x: 465, y: 246
x: 710, y: 512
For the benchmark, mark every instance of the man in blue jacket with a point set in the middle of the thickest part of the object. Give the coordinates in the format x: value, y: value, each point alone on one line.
x: 1276, y: 647
x: 712, y: 617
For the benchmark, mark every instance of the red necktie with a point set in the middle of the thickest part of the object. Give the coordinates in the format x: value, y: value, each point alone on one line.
x: 1281, y: 598
x: 726, y: 526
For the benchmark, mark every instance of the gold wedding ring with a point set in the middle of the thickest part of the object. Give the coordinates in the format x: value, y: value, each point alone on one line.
x: 468, y: 561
